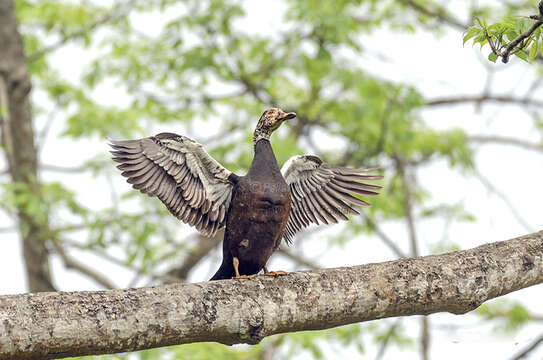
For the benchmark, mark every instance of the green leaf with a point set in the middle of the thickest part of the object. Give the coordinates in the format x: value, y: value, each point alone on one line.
x: 521, y: 54
x: 511, y: 35
x: 534, y: 49
x: 471, y: 33
x: 492, y: 57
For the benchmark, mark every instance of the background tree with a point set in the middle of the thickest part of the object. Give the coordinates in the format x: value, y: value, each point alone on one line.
x: 207, y: 69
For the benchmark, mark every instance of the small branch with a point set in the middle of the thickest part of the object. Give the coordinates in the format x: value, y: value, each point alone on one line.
x: 408, y: 206
x: 204, y: 246
x: 119, y: 11
x: 64, y: 169
x: 386, y: 340
x: 71, y: 263
x: 384, y: 237
x: 512, y: 47
x: 479, y: 99
x: 490, y: 187
x: 525, y: 352
x: 504, y: 140
x: 300, y: 260
x: 425, y: 338
x: 435, y: 14
x: 519, y: 42
x: 63, y: 324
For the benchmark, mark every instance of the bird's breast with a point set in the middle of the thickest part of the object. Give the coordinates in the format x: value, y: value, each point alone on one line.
x: 268, y: 202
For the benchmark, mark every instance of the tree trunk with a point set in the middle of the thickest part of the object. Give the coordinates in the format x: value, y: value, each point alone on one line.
x: 18, y: 143
x: 49, y: 325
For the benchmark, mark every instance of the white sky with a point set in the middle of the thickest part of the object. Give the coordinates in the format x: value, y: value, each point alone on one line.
x: 438, y: 67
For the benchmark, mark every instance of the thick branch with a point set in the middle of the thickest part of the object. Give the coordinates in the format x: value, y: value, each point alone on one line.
x: 47, y: 325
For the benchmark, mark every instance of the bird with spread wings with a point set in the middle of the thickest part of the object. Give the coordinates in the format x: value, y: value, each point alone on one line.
x: 258, y: 209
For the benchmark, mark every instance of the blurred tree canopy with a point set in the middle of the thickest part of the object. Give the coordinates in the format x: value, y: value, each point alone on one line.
x: 204, y: 67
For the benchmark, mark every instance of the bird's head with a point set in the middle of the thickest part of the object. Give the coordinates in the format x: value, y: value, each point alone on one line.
x: 270, y: 121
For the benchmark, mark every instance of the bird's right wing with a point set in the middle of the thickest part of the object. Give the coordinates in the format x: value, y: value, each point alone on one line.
x: 323, y: 192
x: 194, y: 187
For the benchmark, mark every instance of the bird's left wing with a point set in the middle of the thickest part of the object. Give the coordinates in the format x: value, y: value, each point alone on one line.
x: 176, y: 169
x: 323, y: 192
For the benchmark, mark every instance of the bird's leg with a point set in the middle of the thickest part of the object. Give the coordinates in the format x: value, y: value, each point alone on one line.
x: 235, y: 262
x: 274, y: 273
x: 236, y: 266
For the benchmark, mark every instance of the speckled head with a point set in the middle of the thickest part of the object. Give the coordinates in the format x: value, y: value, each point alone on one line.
x: 270, y: 120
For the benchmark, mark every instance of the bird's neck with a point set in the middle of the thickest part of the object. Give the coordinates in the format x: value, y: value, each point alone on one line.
x: 264, y: 161
x: 260, y: 134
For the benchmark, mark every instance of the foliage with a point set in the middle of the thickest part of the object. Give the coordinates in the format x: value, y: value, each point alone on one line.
x: 509, y: 316
x: 204, y: 73
x: 514, y: 35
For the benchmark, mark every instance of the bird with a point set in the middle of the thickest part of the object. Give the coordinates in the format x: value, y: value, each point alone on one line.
x: 257, y: 210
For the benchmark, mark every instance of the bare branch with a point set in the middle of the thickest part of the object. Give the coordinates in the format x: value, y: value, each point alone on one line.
x: 300, y: 260
x: 425, y: 337
x: 112, y: 15
x: 490, y: 187
x: 504, y: 140
x: 71, y: 263
x: 440, y: 15
x: 408, y: 206
x: 459, y: 100
x: 525, y: 352
x: 47, y: 325
x: 386, y: 340
x: 384, y: 237
x: 204, y: 246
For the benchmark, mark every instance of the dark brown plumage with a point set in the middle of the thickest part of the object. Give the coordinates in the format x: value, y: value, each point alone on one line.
x: 258, y: 209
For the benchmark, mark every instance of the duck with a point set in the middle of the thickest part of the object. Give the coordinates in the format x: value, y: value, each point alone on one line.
x: 259, y: 210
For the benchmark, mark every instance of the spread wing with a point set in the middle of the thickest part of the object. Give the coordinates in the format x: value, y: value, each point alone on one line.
x: 323, y: 192
x: 193, y: 186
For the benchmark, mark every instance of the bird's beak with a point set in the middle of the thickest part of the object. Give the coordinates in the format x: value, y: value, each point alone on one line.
x: 287, y: 116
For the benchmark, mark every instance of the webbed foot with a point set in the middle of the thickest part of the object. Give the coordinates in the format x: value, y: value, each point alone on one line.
x: 275, y: 273
x: 244, y: 276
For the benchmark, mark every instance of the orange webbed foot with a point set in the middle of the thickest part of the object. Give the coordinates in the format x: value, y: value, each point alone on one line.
x: 244, y: 276
x: 275, y: 273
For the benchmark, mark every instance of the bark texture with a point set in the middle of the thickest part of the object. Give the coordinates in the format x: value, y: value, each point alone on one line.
x: 49, y: 325
x: 17, y: 136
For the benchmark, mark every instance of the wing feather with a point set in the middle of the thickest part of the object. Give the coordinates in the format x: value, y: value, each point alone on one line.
x: 323, y: 193
x: 194, y: 187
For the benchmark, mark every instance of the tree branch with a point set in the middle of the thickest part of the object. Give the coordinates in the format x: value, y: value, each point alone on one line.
x: 440, y: 15
x: 529, y: 349
x: 71, y: 263
x: 300, y: 260
x: 504, y: 140
x: 512, y: 47
x: 195, y: 255
x: 407, y: 205
x: 384, y: 237
x: 47, y: 325
x: 459, y: 100
x: 112, y: 15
